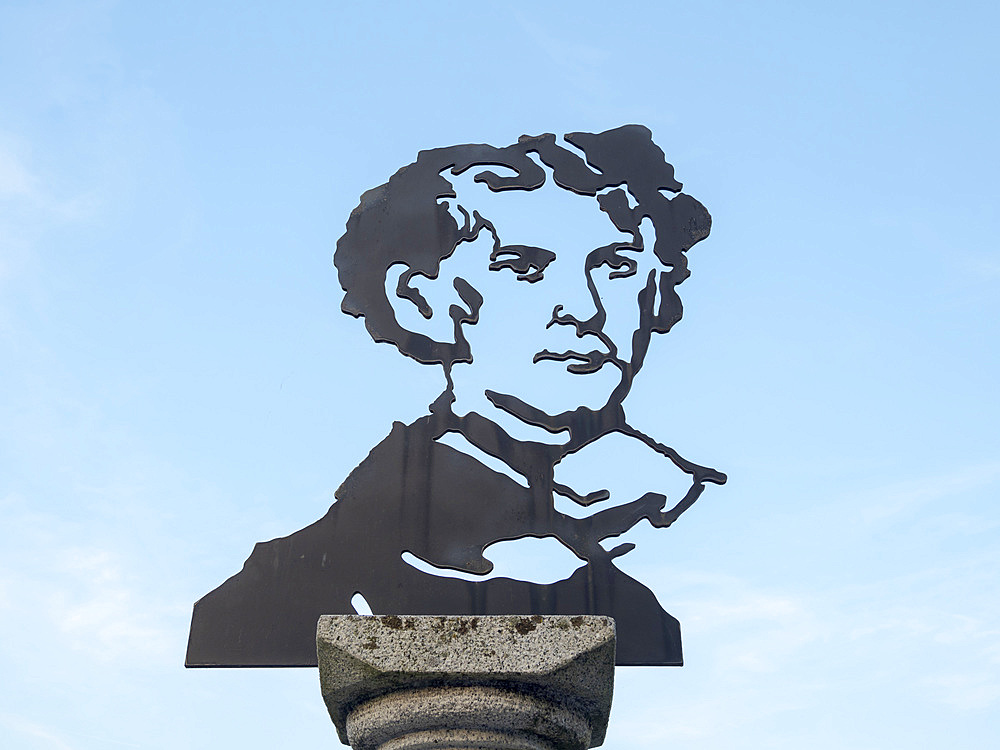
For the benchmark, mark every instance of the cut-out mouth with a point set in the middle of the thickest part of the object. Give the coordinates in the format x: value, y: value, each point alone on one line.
x: 590, y: 362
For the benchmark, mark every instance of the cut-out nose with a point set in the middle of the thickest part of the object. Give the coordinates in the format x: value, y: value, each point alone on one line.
x: 581, y: 306
x: 582, y: 325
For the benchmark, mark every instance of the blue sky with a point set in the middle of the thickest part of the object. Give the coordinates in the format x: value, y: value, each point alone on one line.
x: 177, y: 382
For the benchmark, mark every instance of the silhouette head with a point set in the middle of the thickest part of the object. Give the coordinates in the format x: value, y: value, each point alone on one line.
x: 408, y: 225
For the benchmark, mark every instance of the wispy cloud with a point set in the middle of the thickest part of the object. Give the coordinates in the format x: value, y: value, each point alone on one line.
x: 100, y: 613
x: 965, y: 691
x: 29, y: 195
x: 582, y: 65
x: 881, y: 503
x: 31, y: 206
x: 925, y: 636
x: 56, y: 587
x: 984, y: 265
x: 35, y: 731
x: 15, y: 179
x: 767, y: 629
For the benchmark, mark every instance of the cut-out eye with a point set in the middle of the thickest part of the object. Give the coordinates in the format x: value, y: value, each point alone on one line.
x: 618, y: 258
x: 526, y: 261
x: 622, y: 267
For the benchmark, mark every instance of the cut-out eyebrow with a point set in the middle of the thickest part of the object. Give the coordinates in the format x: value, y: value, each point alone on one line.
x: 528, y: 261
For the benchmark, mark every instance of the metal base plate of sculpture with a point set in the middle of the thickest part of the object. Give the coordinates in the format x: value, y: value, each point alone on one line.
x: 417, y: 494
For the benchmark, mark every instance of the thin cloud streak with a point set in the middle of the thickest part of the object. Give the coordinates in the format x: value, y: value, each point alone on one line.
x: 28, y: 728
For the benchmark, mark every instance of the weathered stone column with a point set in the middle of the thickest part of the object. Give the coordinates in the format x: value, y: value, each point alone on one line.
x: 504, y: 683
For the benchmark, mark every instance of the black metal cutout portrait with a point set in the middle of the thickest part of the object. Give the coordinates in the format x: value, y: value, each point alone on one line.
x: 416, y: 493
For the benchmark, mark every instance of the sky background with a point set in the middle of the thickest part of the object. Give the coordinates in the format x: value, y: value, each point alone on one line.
x: 177, y: 381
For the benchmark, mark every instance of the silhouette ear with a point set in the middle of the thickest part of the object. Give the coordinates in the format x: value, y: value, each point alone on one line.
x: 406, y: 290
x: 422, y: 304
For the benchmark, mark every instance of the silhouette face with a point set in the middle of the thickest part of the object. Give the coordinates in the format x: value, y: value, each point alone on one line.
x: 560, y: 285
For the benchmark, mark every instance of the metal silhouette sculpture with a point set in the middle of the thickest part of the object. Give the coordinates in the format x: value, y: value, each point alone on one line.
x: 415, y: 494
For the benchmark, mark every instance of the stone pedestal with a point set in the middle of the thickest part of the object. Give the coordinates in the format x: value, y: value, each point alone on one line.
x: 504, y: 683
